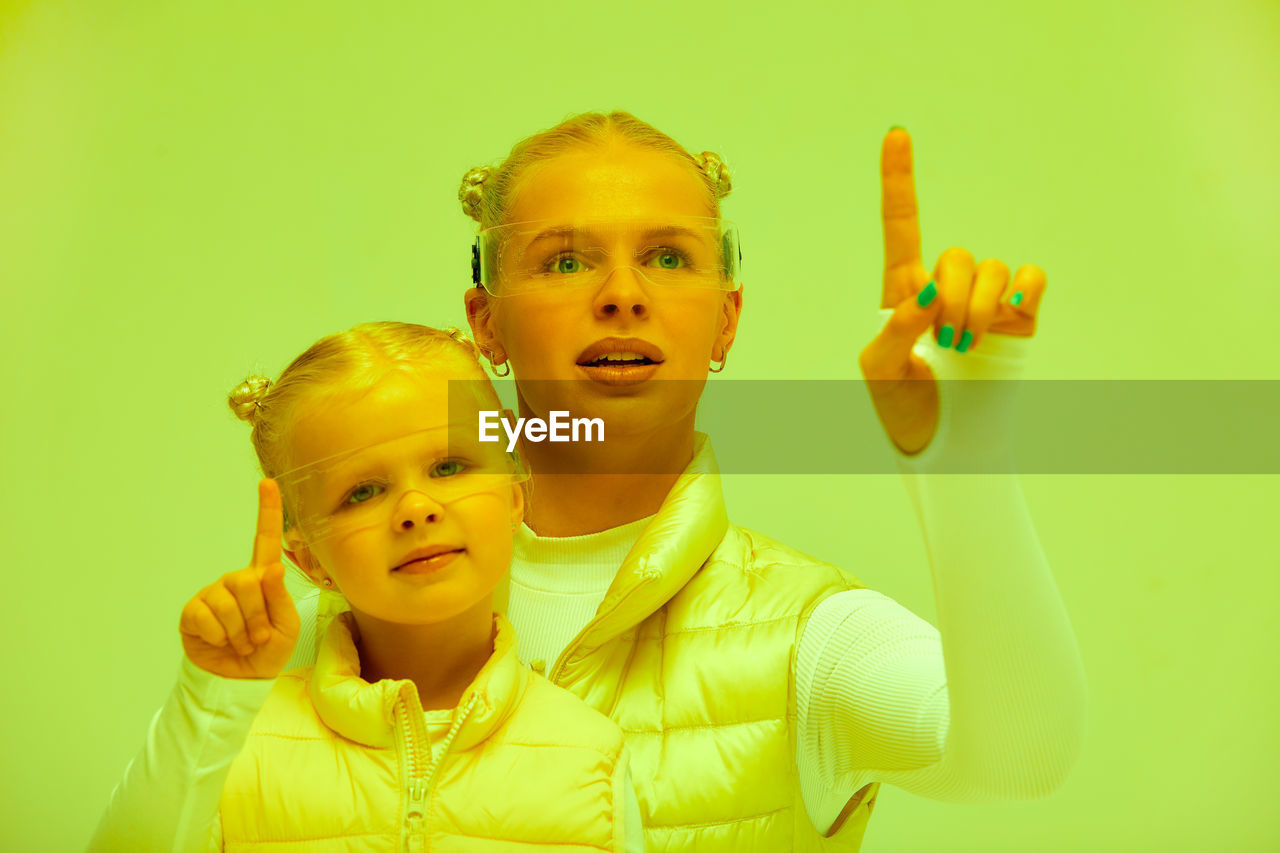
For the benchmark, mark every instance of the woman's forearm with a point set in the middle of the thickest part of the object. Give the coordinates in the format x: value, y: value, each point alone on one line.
x: 993, y: 705
x: 169, y: 797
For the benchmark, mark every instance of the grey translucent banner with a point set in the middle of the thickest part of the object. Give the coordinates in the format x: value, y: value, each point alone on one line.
x: 831, y: 427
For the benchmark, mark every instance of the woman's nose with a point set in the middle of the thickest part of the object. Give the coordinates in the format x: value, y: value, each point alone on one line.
x: 416, y: 508
x: 623, y: 292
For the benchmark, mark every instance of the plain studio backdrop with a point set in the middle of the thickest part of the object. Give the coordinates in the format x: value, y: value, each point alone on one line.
x: 193, y: 191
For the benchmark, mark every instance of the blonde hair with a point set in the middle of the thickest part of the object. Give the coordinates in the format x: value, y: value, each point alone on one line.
x: 347, y: 361
x: 487, y: 191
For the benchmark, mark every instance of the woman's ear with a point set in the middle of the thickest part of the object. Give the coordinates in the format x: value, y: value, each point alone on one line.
x: 730, y: 313
x: 517, y: 504
x: 480, y: 319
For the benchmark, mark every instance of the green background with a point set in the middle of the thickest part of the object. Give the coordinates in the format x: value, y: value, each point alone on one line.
x: 191, y: 191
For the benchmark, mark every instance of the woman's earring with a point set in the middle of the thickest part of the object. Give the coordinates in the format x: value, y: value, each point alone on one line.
x: 723, y: 361
x: 494, y: 365
x: 328, y: 582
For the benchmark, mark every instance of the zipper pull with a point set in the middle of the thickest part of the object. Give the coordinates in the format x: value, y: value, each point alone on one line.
x: 417, y: 793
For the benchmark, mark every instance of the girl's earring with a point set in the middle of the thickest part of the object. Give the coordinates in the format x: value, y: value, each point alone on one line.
x: 328, y: 582
x: 723, y: 361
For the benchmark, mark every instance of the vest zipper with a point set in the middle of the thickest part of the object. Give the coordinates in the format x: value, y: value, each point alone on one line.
x: 421, y: 785
x: 448, y: 741
x: 416, y: 811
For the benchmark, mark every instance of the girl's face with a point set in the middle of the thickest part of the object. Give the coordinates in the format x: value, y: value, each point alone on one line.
x: 556, y: 333
x: 412, y: 525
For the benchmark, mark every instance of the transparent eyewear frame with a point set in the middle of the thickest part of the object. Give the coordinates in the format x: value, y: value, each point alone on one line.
x: 363, y: 488
x: 687, y: 252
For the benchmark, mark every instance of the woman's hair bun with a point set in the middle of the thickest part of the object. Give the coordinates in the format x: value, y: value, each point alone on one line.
x: 246, y: 398
x: 717, y: 171
x: 471, y: 194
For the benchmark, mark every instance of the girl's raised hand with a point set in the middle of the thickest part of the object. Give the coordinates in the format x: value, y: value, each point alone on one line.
x: 966, y: 302
x: 244, y: 625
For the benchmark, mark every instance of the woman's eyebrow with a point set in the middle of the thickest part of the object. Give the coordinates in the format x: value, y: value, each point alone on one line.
x: 671, y: 231
x: 555, y: 231
x: 558, y: 232
x: 648, y: 234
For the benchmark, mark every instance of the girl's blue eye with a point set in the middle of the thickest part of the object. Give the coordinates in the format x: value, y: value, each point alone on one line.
x: 567, y: 265
x: 447, y: 468
x: 363, y: 492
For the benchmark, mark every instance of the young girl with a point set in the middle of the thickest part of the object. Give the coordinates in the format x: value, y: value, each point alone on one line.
x: 417, y: 727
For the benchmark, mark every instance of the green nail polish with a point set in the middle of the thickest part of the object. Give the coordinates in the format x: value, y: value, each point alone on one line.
x: 924, y: 297
x: 944, y: 337
x: 965, y: 339
x: 1017, y: 297
x: 897, y: 127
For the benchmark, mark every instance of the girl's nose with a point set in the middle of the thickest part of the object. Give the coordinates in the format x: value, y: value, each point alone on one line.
x: 416, y: 508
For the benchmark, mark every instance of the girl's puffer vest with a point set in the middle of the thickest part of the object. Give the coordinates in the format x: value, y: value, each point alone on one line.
x: 692, y: 652
x: 335, y: 763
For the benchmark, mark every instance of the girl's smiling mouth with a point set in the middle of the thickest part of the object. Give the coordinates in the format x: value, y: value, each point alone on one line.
x: 428, y: 559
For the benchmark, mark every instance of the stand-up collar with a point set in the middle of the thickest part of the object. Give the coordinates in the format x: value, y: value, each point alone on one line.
x: 365, y: 712
x: 689, y: 525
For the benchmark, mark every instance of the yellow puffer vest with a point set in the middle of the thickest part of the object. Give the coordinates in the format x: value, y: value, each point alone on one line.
x: 335, y: 763
x: 692, y: 652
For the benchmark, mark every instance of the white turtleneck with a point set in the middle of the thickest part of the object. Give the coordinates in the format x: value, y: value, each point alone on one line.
x: 558, y: 583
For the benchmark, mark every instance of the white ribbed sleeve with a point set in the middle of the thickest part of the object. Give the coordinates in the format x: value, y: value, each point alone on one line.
x: 170, y: 794
x: 992, y: 704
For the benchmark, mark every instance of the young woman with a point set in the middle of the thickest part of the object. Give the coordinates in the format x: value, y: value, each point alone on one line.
x: 764, y: 695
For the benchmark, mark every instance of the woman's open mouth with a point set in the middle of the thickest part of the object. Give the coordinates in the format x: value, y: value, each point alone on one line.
x: 609, y: 370
x: 620, y: 361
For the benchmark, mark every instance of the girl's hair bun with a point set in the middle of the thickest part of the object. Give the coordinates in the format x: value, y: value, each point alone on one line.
x: 246, y: 398
x: 717, y: 171
x: 471, y: 194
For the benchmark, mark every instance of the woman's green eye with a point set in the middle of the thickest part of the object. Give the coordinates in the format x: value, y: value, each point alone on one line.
x: 362, y: 493
x: 669, y: 260
x: 447, y: 468
x: 568, y: 266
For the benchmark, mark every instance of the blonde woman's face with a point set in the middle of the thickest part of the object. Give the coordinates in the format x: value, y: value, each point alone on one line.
x: 402, y: 488
x: 557, y: 333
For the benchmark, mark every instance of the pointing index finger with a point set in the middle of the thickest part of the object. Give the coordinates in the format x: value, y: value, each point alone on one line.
x: 898, y: 209
x: 266, y: 541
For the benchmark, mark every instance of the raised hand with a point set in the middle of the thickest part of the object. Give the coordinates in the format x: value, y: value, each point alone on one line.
x: 963, y: 301
x: 244, y: 625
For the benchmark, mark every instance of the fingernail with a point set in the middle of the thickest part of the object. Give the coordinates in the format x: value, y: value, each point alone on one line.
x: 966, y: 338
x: 944, y: 337
x: 1017, y: 297
x: 924, y: 297
x: 897, y: 127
